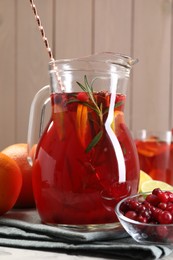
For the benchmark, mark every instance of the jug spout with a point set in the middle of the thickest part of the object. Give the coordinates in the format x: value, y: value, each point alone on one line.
x: 114, y: 58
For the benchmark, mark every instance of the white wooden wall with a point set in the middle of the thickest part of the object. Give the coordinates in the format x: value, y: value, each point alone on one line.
x: 139, y: 28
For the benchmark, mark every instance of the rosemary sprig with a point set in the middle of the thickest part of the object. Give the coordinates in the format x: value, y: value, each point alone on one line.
x: 89, y: 90
x: 94, y: 141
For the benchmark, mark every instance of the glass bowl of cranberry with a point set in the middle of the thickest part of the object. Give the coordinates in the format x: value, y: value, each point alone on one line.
x: 148, y: 217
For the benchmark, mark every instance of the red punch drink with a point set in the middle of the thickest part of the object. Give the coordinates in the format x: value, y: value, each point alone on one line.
x: 75, y: 173
x: 86, y: 159
x: 156, y: 156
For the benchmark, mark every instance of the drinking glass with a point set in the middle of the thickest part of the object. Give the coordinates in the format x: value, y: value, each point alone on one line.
x: 155, y: 151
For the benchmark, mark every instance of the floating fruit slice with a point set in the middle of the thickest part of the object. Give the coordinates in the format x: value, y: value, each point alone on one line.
x: 151, y: 147
x: 143, y: 178
x: 82, y: 118
x: 150, y: 185
x: 118, y: 119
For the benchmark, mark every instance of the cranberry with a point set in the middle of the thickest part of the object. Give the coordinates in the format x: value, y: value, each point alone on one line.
x: 133, y: 204
x: 152, y: 199
x: 162, y: 231
x: 156, y: 191
x: 165, y: 217
x: 102, y: 98
x: 163, y: 197
x: 146, y: 214
x: 155, y: 213
x: 131, y: 214
x: 147, y: 205
x: 141, y: 207
x: 170, y: 197
x: 142, y: 219
x: 125, y: 206
x: 82, y: 96
x: 162, y: 205
x: 170, y: 208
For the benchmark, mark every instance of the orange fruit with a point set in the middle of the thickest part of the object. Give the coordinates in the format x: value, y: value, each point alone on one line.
x: 18, y: 152
x: 10, y: 183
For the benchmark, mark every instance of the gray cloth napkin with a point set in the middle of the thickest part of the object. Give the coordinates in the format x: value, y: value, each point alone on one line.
x: 23, y: 229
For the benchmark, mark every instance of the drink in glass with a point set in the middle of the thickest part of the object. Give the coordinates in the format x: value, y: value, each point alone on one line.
x: 155, y: 150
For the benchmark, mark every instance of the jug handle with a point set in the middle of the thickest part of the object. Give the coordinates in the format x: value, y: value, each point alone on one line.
x: 36, y: 120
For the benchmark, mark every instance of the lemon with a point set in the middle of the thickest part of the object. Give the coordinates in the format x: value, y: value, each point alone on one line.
x: 150, y: 185
x: 143, y: 178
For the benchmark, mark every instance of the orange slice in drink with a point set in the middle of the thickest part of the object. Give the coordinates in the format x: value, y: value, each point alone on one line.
x: 118, y: 119
x: 81, y: 122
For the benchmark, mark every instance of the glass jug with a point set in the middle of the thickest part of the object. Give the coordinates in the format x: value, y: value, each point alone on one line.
x: 85, y: 160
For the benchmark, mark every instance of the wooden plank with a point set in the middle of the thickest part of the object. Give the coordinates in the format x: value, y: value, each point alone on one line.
x: 171, y: 76
x: 113, y: 26
x: 7, y: 72
x: 113, y: 32
x: 152, y: 32
x: 32, y: 58
x: 73, y: 28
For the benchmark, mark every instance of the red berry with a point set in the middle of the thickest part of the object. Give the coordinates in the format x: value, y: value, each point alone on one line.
x: 125, y: 206
x: 147, y: 205
x: 142, y: 219
x: 146, y: 214
x: 162, y: 231
x: 155, y: 213
x: 156, y: 191
x: 82, y: 96
x: 170, y: 208
x: 162, y: 205
x: 133, y: 204
x: 163, y: 197
x: 141, y: 208
x: 152, y: 199
x: 165, y: 217
x: 170, y: 196
x: 131, y: 214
